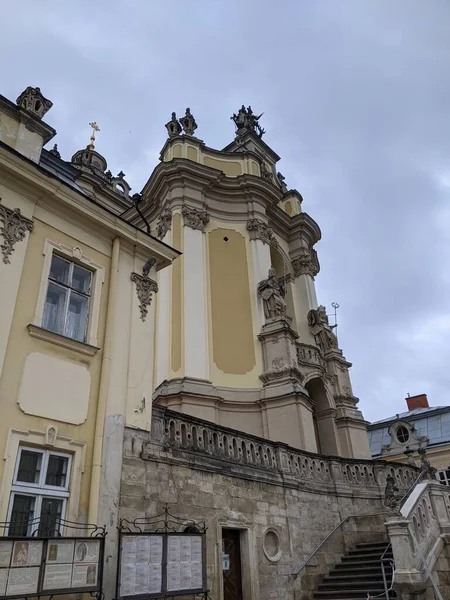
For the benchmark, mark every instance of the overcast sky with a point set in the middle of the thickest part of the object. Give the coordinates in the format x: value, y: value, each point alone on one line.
x: 356, y: 101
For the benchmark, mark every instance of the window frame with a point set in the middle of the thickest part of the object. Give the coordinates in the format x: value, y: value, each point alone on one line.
x: 39, y: 490
x: 77, y: 256
x: 446, y: 480
x: 403, y: 428
x: 69, y: 290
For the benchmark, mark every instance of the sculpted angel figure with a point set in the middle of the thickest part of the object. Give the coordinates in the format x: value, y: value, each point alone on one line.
x: 272, y: 294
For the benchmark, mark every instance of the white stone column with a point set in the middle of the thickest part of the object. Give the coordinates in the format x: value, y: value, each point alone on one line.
x: 261, y: 264
x: 195, y: 295
x: 163, y: 322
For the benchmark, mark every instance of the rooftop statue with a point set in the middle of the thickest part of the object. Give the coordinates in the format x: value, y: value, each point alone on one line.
x: 245, y: 119
x: 188, y: 123
x: 173, y: 127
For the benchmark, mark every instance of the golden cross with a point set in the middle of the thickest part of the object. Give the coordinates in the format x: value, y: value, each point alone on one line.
x: 95, y: 128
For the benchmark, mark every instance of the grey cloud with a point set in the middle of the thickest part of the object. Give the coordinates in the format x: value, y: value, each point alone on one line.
x: 356, y: 98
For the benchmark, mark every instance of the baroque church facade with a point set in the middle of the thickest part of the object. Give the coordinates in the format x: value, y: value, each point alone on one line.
x: 169, y: 347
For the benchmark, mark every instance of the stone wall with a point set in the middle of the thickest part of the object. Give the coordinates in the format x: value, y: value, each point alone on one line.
x: 230, y: 480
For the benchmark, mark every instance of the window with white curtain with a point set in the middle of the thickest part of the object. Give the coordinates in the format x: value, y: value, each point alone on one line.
x: 66, y: 309
x: 39, y: 492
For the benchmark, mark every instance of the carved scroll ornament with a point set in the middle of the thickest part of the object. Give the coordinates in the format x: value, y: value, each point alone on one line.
x: 13, y: 229
x: 194, y: 218
x: 164, y: 223
x: 144, y: 288
x: 306, y: 263
x: 260, y: 231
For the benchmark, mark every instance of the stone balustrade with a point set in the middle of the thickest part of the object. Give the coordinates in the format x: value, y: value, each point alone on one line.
x: 419, y: 534
x: 190, y: 440
x: 310, y: 356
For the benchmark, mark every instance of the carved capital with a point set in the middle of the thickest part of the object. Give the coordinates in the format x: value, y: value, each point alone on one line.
x: 195, y: 218
x: 261, y: 231
x: 13, y: 229
x: 306, y: 263
x: 164, y: 223
x: 144, y: 288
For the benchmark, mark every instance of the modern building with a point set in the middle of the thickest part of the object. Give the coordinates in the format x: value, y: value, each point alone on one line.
x: 398, y: 438
x: 166, y: 351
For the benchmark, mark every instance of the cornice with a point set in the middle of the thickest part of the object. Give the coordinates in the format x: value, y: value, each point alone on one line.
x: 213, y: 186
x: 31, y: 123
x: 47, y: 188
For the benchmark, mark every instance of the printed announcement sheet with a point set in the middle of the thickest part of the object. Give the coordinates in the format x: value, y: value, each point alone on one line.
x: 184, y: 563
x: 141, y: 565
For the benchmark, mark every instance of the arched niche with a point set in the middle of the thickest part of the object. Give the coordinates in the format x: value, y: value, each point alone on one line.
x: 324, y: 413
x: 281, y: 264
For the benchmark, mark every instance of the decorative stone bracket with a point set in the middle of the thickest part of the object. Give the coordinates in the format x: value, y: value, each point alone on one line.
x: 261, y: 231
x: 144, y: 288
x: 306, y: 263
x: 163, y: 224
x: 14, y: 229
x: 195, y: 218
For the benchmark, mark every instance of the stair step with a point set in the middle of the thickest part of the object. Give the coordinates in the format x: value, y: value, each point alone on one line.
x: 360, y: 565
x: 364, y: 544
x: 349, y: 584
x: 347, y: 594
x: 370, y: 558
x: 361, y: 572
x: 375, y: 576
x: 369, y: 550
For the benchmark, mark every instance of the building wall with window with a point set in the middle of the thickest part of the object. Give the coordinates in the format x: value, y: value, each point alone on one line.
x: 77, y: 318
x: 399, y: 437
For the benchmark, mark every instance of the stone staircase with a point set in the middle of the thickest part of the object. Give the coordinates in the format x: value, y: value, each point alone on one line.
x: 357, y: 575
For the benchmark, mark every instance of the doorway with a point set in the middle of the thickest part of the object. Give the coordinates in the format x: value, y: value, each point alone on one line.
x: 231, y: 564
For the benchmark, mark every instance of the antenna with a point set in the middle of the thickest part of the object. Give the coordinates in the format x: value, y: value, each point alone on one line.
x: 335, y: 305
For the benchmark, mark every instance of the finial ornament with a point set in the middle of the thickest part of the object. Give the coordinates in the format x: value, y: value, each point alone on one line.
x: 173, y: 127
x: 95, y: 128
x: 246, y: 120
x: 34, y: 102
x: 188, y: 123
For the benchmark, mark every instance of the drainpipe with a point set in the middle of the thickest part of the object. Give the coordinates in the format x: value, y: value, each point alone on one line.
x: 104, y: 384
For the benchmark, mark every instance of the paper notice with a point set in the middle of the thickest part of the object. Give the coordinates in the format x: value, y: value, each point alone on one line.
x: 5, y: 553
x: 129, y: 545
x: 143, y: 549
x: 196, y: 549
x: 84, y: 575
x: 3, y: 580
x: 60, y: 551
x: 22, y: 581
x: 196, y: 576
x: 155, y: 579
x: 173, y: 549
x: 127, y: 580
x: 173, y: 576
x: 57, y: 576
x: 87, y: 551
x: 26, y: 554
x: 156, y: 548
x: 185, y: 576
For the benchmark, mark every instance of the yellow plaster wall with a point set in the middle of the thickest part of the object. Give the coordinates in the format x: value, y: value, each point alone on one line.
x: 231, y: 310
x: 177, y: 335
x: 231, y: 168
x: 21, y: 345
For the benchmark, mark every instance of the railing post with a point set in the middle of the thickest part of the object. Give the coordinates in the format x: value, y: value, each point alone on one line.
x: 407, y: 578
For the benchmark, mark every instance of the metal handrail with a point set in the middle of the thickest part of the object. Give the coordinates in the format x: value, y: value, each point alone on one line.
x: 304, y: 563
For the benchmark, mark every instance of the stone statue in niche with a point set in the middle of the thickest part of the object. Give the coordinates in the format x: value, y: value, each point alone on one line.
x: 321, y: 329
x: 272, y: 294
